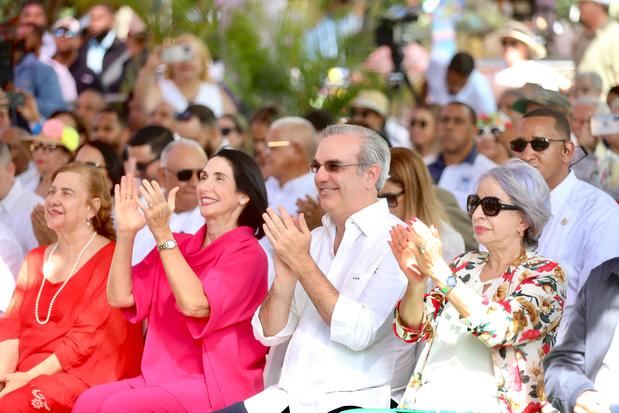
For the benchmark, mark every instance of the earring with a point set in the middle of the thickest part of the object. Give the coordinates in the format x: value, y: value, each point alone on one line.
x: 87, y: 222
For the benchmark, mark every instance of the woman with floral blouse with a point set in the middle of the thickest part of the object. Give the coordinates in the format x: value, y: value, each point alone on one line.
x: 492, y: 316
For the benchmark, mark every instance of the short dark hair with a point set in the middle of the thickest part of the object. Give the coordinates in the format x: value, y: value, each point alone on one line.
x: 113, y: 162
x: 469, y: 108
x: 562, y: 126
x: 265, y: 114
x: 29, y: 3
x: 120, y: 116
x: 204, y: 114
x: 614, y: 90
x: 157, y: 137
x: 320, y: 118
x: 462, y: 63
x: 248, y: 180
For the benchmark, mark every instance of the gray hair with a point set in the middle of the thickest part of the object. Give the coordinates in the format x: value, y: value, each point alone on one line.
x: 165, y: 154
x: 528, y: 191
x: 301, y: 131
x: 593, y: 78
x: 5, y: 154
x: 374, y: 148
x: 600, y: 107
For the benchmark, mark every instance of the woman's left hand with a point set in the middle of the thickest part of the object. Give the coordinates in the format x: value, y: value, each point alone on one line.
x: 15, y: 381
x: 156, y: 209
x: 427, y: 248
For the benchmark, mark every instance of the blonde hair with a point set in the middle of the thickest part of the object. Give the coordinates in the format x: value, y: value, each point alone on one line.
x: 408, y: 170
x: 198, y: 46
x: 96, y: 187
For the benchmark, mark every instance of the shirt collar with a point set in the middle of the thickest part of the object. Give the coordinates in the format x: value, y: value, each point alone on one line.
x: 107, y: 41
x: 559, y: 195
x: 470, y: 158
x: 366, y: 219
x: 11, y: 200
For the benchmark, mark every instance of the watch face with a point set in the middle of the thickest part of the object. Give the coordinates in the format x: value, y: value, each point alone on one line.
x: 169, y: 244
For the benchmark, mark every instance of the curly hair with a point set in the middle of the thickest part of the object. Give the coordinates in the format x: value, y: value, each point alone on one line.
x: 96, y: 185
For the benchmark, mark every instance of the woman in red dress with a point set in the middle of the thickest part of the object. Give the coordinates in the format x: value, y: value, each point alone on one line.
x: 60, y: 336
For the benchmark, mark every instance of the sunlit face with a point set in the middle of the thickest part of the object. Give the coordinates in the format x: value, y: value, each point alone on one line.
x: 91, y: 155
x: 66, y: 203
x: 553, y: 162
x: 281, y: 158
x: 502, y: 229
x: 183, y: 158
x: 217, y: 193
x: 339, y: 191
x: 456, y: 129
x: 394, y: 192
x: 47, y: 158
x: 101, y: 20
x: 107, y: 128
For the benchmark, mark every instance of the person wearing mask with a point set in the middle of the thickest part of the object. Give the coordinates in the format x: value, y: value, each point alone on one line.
x: 460, y: 82
x: 179, y: 167
x: 492, y: 316
x: 60, y: 336
x: 198, y: 293
x: 583, y: 230
x: 458, y: 165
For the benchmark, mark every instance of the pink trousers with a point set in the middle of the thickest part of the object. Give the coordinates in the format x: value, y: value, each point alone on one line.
x: 127, y: 397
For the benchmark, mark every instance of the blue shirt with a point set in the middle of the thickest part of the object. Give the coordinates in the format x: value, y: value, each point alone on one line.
x: 41, y: 81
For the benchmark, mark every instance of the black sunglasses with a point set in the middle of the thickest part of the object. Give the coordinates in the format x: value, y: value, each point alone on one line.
x: 392, y: 198
x: 142, y: 166
x: 490, y: 205
x: 331, y: 166
x: 64, y: 32
x: 421, y: 123
x: 538, y: 143
x: 185, y: 175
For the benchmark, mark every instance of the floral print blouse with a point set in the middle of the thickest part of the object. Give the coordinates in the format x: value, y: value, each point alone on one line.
x: 519, y: 324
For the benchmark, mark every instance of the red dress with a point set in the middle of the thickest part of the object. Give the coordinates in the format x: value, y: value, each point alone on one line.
x: 93, y: 342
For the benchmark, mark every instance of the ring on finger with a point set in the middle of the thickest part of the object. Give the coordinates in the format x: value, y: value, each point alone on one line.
x: 422, y: 250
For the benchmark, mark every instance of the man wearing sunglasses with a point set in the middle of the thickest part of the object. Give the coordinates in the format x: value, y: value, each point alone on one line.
x: 291, y: 145
x: 583, y: 230
x: 180, y: 165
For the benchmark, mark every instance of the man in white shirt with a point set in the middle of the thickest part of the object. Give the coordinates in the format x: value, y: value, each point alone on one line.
x: 25, y: 169
x: 180, y: 165
x: 11, y: 257
x: 335, y: 289
x: 461, y: 82
x: 291, y: 143
x: 16, y: 202
x: 458, y: 167
x: 583, y: 230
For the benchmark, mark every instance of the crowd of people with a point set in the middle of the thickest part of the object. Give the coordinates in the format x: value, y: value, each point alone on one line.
x: 167, y: 253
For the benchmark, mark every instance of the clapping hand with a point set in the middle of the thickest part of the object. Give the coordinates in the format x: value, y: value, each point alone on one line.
x: 425, y: 244
x: 403, y: 250
x: 128, y: 217
x: 157, y: 209
x: 290, y: 237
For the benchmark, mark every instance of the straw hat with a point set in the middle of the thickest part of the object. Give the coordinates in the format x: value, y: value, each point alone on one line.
x: 54, y: 131
x: 373, y: 100
x: 522, y: 33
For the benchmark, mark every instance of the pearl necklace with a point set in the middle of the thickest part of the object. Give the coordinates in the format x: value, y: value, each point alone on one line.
x: 51, y: 303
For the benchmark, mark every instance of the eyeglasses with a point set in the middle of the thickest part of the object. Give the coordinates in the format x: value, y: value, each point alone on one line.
x: 331, y: 166
x: 278, y: 144
x: 538, y: 143
x: 227, y: 131
x: 64, y: 32
x: 421, y: 123
x: 489, y: 130
x: 46, y: 147
x: 91, y: 164
x: 392, y: 198
x: 185, y: 175
x: 490, y: 205
x: 507, y: 42
x: 142, y: 166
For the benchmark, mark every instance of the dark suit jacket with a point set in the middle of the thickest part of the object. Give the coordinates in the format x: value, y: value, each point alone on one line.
x: 113, y: 65
x: 572, y: 365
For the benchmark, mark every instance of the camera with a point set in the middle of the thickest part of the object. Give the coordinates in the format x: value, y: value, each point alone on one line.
x: 176, y: 54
